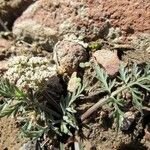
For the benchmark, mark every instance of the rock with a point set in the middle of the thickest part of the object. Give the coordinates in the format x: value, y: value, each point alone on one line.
x: 130, y: 16
x: 20, y: 48
x: 29, y: 146
x: 108, y: 60
x: 4, y: 46
x: 11, y: 9
x: 3, y: 66
x: 68, y: 55
x: 51, y: 20
x: 147, y: 135
x: 128, y: 119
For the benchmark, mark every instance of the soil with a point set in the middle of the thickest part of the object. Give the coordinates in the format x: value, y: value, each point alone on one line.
x: 102, y: 136
x: 9, y: 135
x: 98, y: 133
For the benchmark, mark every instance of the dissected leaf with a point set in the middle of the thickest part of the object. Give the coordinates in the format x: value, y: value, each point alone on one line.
x: 134, y: 80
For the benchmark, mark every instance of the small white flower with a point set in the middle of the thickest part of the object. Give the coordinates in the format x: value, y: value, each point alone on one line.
x: 74, y: 82
x: 29, y: 70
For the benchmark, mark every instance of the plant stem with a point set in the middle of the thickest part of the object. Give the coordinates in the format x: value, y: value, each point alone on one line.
x: 93, y: 108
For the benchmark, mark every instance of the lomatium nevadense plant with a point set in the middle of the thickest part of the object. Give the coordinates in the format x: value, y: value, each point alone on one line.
x: 37, y: 116
x: 129, y: 86
x: 39, y: 113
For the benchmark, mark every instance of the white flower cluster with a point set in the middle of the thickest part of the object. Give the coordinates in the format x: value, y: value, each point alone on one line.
x: 29, y: 71
x: 73, y: 83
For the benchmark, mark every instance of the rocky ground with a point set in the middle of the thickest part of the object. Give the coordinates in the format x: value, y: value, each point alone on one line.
x: 69, y: 32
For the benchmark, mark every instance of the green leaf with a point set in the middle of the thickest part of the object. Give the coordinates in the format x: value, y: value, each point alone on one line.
x: 95, y: 45
x: 62, y: 146
x: 34, y: 132
x: 146, y: 87
x: 102, y: 77
x: 112, y: 84
x: 9, y: 90
x: 64, y: 129
x: 135, y: 71
x: 6, y: 112
x: 137, y: 101
x: 123, y: 74
x: 118, y: 114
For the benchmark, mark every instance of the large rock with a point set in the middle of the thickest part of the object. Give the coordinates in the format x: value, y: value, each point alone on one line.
x: 130, y: 15
x: 53, y: 19
x: 11, y: 9
x: 68, y: 55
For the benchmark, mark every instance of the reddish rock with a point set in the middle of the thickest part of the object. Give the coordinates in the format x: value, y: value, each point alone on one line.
x: 52, y: 19
x: 108, y: 60
x: 11, y: 9
x: 130, y: 15
x: 68, y: 55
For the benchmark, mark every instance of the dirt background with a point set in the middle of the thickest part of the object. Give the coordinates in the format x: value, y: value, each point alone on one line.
x: 132, y: 16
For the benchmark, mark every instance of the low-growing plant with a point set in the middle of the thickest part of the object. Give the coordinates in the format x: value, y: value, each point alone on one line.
x: 38, y: 118
x: 133, y: 80
x: 95, y: 45
x: 51, y: 118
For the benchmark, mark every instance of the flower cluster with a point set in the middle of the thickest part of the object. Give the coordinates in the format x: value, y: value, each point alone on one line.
x: 29, y: 71
x: 73, y: 83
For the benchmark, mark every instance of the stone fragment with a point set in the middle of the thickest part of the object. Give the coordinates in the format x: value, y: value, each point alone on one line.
x: 3, y: 67
x: 108, y: 60
x: 130, y: 16
x: 128, y: 119
x: 68, y: 55
x: 4, y: 46
x: 10, y: 10
x: 147, y: 135
x: 30, y: 145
